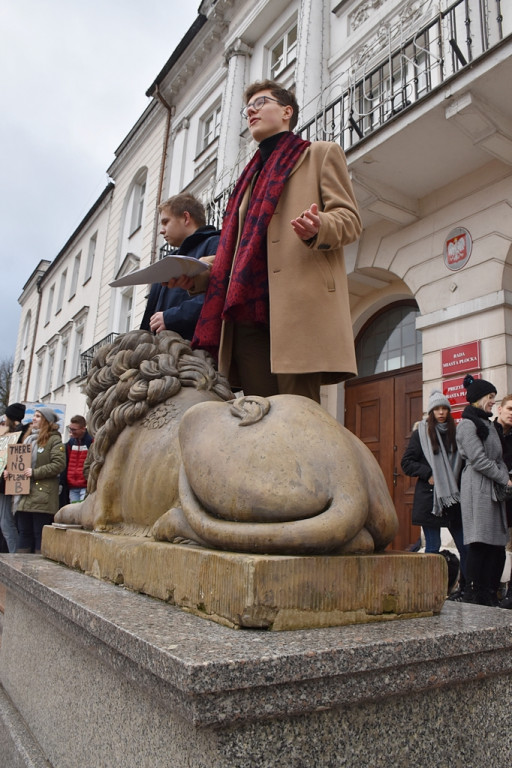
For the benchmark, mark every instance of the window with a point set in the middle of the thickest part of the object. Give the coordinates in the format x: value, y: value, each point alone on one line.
x: 26, y: 331
x: 210, y: 127
x: 19, y: 382
x: 139, y: 193
x: 39, y: 376
x: 126, y: 311
x: 49, y: 370
x: 77, y: 351
x: 62, y: 287
x: 391, y: 341
x: 284, y: 52
x: 63, y: 359
x: 76, y: 272
x: 90, y: 257
x: 49, y: 305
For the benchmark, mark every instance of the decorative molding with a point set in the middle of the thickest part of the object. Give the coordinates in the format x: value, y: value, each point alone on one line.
x: 183, y: 125
x: 238, y: 48
x: 372, y: 47
x: 400, y: 25
x: 362, y: 13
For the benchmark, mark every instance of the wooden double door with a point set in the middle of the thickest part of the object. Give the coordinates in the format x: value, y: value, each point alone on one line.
x: 381, y: 411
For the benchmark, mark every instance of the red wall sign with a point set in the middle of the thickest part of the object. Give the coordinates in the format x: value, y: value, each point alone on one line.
x: 463, y: 357
x: 455, y: 392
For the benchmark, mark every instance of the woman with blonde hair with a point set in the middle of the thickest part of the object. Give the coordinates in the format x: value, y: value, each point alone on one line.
x: 37, y: 508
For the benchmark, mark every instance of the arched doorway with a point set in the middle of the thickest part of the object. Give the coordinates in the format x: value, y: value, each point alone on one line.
x: 385, y: 400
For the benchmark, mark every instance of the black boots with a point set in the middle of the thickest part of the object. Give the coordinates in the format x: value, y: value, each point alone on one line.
x: 458, y: 595
x: 506, y: 602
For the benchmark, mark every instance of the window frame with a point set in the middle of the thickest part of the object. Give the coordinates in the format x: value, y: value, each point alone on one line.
x: 289, y: 54
x: 51, y: 294
x: 213, y: 116
x: 91, y: 255
x: 75, y: 275
x: 138, y: 202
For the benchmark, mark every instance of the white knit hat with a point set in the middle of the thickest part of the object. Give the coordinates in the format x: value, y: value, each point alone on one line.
x: 437, y: 399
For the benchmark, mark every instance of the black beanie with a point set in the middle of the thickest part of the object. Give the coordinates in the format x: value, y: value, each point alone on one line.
x: 477, y: 388
x: 15, y: 411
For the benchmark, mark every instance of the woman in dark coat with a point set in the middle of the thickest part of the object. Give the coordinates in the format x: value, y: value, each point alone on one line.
x: 36, y: 509
x: 483, y: 516
x: 432, y: 457
x: 14, y: 415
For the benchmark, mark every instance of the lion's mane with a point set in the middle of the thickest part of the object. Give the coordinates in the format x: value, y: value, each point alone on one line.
x: 135, y: 373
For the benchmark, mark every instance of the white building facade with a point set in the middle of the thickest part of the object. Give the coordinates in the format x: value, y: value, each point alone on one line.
x: 417, y: 94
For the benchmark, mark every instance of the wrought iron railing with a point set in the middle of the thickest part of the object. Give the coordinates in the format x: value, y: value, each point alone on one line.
x: 166, y: 250
x: 413, y: 68
x: 87, y: 357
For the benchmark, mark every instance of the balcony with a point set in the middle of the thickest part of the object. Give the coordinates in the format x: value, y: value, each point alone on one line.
x: 87, y: 357
x: 434, y: 54
x: 436, y: 107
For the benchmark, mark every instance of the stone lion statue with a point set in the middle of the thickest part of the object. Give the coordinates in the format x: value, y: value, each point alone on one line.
x: 174, y: 461
x: 137, y: 390
x: 277, y: 476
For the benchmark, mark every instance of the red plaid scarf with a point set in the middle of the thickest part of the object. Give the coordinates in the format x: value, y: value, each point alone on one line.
x: 243, y: 298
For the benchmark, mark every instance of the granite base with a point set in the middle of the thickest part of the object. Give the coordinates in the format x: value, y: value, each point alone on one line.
x: 96, y: 676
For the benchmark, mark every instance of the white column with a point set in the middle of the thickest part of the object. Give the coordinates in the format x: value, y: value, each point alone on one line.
x: 312, y: 53
x: 231, y: 119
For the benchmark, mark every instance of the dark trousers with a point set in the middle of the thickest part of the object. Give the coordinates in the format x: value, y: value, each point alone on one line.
x: 30, y: 529
x: 484, y: 566
x: 251, y: 355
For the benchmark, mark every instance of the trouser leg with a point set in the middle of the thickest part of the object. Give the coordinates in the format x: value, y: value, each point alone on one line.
x: 40, y: 519
x: 26, y: 531
x: 482, y: 564
x: 7, y: 523
x: 432, y: 540
x: 251, y: 355
x: 458, y: 537
x: 495, y: 564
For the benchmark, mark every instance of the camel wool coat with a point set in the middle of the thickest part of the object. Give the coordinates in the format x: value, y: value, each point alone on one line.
x: 310, y: 322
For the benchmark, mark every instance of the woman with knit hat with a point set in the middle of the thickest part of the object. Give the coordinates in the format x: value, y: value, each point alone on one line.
x: 483, y: 516
x: 433, y: 458
x: 14, y: 415
x: 37, y: 509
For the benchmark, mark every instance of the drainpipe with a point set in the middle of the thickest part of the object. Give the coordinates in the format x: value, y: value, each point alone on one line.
x: 170, y: 114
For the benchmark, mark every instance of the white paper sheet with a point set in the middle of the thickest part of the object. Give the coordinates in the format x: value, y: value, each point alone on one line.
x: 162, y: 271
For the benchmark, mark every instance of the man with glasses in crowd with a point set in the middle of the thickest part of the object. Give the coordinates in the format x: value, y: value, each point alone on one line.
x: 276, y: 312
x: 73, y: 480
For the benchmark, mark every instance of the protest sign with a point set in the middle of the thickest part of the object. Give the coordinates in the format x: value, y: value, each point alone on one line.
x: 18, y: 459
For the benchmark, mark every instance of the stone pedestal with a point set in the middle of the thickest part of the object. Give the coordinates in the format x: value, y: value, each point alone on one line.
x: 94, y: 675
x: 265, y: 591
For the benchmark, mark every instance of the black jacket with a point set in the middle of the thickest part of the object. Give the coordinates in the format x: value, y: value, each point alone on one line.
x: 415, y: 464
x: 181, y: 310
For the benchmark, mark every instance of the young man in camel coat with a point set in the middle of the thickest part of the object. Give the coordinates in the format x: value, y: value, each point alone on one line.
x: 276, y: 311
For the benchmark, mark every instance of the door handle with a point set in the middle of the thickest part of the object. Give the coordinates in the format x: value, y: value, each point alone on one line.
x: 395, y: 475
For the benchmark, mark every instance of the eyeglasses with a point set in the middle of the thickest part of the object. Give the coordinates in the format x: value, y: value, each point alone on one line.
x: 257, y: 105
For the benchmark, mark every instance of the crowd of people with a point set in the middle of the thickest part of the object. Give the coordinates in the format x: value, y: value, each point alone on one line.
x: 56, y: 473
x: 463, y: 484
